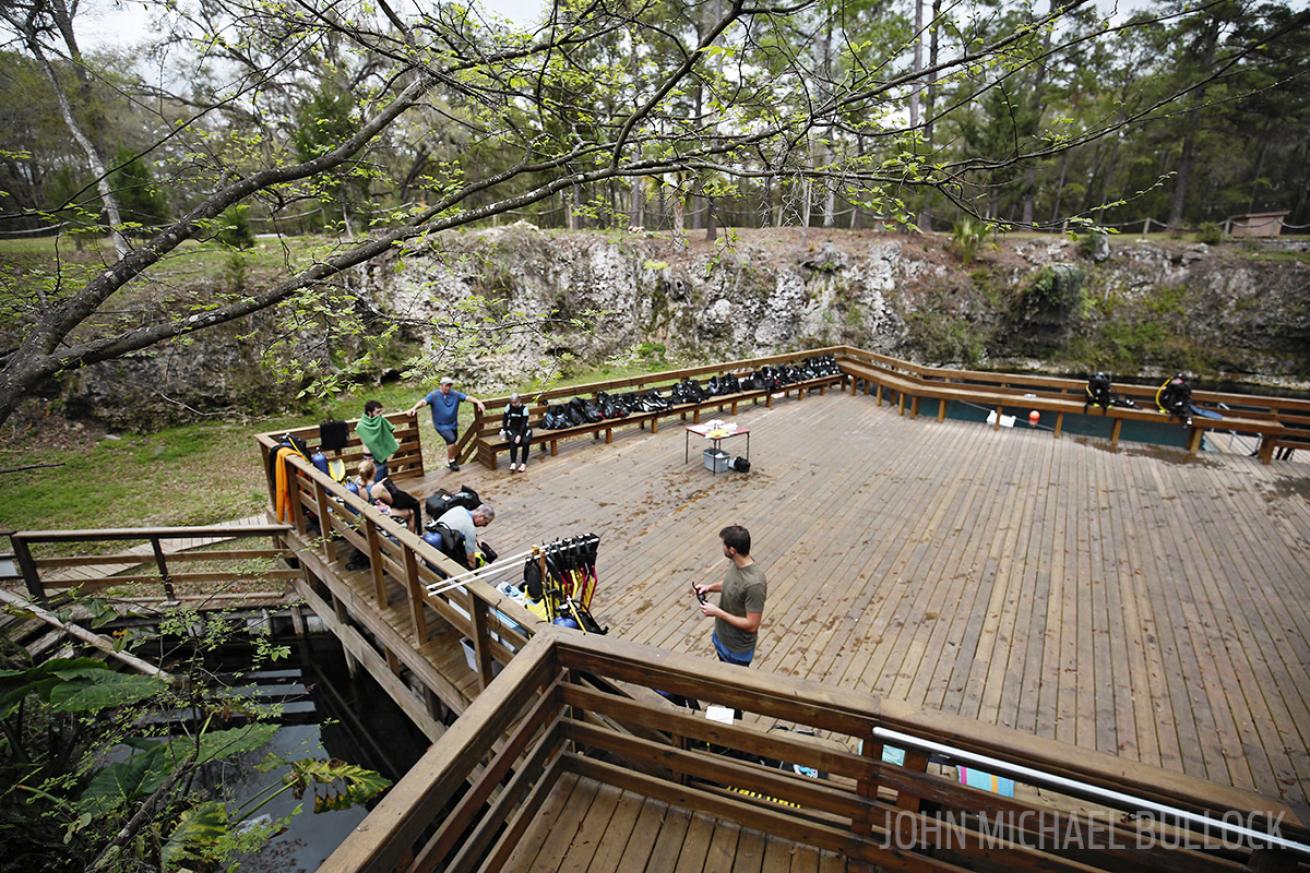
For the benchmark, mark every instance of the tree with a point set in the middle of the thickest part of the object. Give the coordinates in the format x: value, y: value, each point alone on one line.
x: 524, y: 119
x: 109, y: 771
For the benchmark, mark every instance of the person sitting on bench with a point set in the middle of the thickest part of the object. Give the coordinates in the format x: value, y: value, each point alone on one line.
x: 515, y: 429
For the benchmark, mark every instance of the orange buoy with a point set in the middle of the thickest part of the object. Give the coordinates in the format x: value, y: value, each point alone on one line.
x: 1034, y: 417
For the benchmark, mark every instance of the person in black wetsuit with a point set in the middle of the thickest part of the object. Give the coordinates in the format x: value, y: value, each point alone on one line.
x: 516, y: 430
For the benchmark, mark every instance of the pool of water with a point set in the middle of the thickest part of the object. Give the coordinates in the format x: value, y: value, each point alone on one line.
x: 325, y: 714
x: 1095, y: 426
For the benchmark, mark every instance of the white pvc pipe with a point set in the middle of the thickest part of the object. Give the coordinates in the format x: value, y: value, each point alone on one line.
x: 1076, y: 788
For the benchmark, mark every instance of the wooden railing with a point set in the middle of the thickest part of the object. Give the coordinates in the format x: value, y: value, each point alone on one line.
x: 405, y: 463
x: 107, y: 570
x: 481, y: 436
x: 1278, y: 421
x: 555, y: 710
x: 327, y: 520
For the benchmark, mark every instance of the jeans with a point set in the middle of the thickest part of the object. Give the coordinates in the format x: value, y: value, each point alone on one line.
x: 728, y: 656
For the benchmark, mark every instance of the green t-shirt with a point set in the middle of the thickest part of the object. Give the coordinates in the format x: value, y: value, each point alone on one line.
x: 744, y: 591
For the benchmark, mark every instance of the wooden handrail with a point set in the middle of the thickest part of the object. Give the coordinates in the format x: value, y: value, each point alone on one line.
x: 31, y: 567
x: 661, y: 377
x: 146, y: 533
x: 408, y: 567
x: 854, y: 812
x: 395, y: 825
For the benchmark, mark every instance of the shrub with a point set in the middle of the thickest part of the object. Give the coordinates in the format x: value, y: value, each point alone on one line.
x: 234, y: 229
x: 970, y: 236
x: 1210, y: 233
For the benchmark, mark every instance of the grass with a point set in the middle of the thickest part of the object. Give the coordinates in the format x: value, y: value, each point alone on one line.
x: 196, y: 474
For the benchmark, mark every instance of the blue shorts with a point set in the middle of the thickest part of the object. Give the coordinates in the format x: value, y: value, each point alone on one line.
x: 448, y: 433
x: 728, y: 656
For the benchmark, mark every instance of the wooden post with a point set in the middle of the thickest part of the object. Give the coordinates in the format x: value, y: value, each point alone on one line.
x: 481, y: 644
x: 393, y: 663
x: 734, y: 407
x: 324, y: 520
x: 1115, y: 430
x: 900, y: 403
x: 352, y: 665
x: 880, y: 394
x: 416, y: 597
x: 1267, y: 447
x: 918, y: 762
x: 1059, y: 425
x: 31, y: 576
x: 297, y: 620
x: 768, y: 400
x: 162, y: 563
x: 1194, y: 442
x: 375, y: 562
x: 941, y: 409
x: 655, y: 424
x: 554, y: 448
x: 609, y: 435
x: 293, y: 491
x: 914, y: 406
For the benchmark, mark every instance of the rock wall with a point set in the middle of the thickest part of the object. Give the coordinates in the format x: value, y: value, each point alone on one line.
x: 527, y: 300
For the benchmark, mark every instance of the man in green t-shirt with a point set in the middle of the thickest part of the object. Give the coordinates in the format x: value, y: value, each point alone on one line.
x: 741, y: 600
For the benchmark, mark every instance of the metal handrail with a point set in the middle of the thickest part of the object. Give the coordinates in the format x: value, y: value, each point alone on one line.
x: 1086, y: 791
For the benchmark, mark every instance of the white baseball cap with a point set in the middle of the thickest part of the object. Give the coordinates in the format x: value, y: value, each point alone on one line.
x: 446, y: 380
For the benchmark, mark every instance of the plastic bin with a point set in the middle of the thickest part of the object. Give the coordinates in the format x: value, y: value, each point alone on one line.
x: 716, y: 461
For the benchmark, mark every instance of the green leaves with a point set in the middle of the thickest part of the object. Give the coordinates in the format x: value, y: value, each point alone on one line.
x: 127, y: 781
x: 75, y: 685
x: 336, y: 784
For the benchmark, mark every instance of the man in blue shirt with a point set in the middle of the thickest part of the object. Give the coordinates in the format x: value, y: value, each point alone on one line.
x: 445, y: 414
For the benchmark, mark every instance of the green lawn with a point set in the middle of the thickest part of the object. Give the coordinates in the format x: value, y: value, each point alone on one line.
x: 196, y: 474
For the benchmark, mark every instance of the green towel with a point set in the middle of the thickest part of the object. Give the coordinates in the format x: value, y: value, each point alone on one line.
x: 378, y: 437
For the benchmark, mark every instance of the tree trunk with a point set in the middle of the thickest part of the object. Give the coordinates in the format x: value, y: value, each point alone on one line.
x: 679, y: 219
x: 1191, y: 121
x: 930, y: 100
x: 918, y: 63
x: 1059, y: 186
x: 637, y: 203
x: 93, y: 158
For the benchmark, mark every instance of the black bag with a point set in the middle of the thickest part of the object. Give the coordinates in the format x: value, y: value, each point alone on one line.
x: 442, y: 500
x: 741, y: 465
x: 333, y: 436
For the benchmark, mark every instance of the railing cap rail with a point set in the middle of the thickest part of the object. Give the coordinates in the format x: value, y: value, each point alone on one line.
x: 145, y: 533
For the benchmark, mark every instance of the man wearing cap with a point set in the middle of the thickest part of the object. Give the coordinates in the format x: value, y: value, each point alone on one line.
x: 445, y: 414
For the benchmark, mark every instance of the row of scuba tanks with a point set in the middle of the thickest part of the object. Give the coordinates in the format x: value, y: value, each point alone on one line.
x: 581, y: 410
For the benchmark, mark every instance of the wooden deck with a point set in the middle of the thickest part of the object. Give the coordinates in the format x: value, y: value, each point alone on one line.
x: 1130, y: 602
x: 586, y: 825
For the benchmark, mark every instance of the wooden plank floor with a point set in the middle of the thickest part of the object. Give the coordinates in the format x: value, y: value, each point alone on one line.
x: 1130, y: 602
x: 585, y: 825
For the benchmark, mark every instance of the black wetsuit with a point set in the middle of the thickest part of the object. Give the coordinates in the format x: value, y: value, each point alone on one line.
x: 515, y: 424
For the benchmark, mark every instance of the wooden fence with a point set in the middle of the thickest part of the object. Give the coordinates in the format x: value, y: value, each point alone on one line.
x: 466, y: 805
x: 46, y: 574
x: 481, y: 439
x: 1277, y: 421
x: 327, y: 521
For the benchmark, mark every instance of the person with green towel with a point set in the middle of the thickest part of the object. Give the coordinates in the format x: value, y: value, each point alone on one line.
x: 378, y: 437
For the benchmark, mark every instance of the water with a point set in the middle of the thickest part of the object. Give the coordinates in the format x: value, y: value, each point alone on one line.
x: 326, y: 715
x: 1092, y: 425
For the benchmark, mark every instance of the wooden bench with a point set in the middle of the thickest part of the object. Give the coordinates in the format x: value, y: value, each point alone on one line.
x: 490, y: 444
x: 999, y: 399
